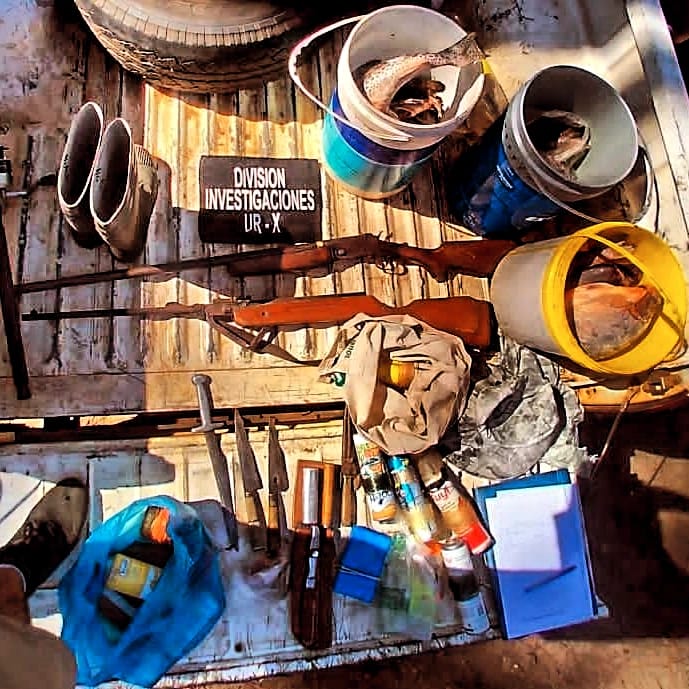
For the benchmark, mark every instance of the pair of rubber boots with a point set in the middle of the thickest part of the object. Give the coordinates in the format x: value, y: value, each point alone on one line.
x: 107, y: 185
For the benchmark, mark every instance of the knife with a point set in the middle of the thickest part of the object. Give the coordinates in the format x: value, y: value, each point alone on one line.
x: 251, y: 478
x: 279, y: 482
x: 312, y: 568
x: 216, y: 455
x: 350, y: 472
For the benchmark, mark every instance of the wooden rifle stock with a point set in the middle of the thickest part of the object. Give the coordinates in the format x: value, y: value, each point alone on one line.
x: 465, y: 317
x: 477, y: 258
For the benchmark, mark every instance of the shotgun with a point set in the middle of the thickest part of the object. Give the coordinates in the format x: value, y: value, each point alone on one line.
x: 476, y: 258
x: 466, y: 317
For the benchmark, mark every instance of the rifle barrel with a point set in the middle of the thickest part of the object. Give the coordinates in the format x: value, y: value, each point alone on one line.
x: 161, y: 270
x: 171, y: 310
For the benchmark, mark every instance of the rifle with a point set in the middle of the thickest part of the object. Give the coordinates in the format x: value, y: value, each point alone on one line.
x: 477, y: 258
x: 466, y: 317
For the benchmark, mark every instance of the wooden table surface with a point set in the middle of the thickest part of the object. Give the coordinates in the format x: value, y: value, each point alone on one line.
x: 113, y: 365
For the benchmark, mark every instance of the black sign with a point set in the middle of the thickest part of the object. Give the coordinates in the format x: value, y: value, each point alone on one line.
x: 259, y: 200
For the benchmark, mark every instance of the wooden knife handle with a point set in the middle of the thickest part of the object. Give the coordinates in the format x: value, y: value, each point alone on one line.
x: 256, y: 520
x: 348, y: 509
x: 274, y: 535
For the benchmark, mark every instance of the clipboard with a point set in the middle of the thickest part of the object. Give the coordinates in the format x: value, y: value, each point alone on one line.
x: 561, y: 592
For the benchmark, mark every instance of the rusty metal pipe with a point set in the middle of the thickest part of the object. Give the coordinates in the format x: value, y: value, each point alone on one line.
x: 11, y: 321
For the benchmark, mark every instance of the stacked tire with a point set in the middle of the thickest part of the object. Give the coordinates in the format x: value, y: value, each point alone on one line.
x: 204, y: 45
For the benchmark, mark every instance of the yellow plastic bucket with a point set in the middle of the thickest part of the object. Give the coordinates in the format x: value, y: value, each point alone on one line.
x: 528, y: 295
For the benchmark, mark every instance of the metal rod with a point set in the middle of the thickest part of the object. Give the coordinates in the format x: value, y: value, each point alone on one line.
x: 613, y: 429
x: 157, y: 424
x: 10, y: 316
x: 172, y: 310
x: 161, y: 270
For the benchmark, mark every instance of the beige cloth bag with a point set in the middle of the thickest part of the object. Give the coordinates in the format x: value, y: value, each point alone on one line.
x: 399, y: 421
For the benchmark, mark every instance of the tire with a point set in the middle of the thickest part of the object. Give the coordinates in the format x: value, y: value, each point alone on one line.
x: 203, y: 46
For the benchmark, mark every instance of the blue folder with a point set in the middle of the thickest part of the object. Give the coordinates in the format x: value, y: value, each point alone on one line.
x: 533, y: 601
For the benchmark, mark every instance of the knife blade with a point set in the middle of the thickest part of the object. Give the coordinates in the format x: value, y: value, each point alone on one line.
x: 251, y: 478
x: 278, y: 483
x: 215, y: 453
x: 350, y: 472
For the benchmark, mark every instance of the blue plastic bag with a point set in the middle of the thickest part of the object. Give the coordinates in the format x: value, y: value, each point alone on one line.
x: 178, y: 613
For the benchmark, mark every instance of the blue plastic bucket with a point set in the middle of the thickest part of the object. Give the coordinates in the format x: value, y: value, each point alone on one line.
x: 364, y: 167
x: 370, y: 152
x: 504, y: 183
x: 487, y: 195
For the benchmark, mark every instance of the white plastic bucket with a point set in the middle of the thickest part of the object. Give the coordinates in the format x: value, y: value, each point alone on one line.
x: 403, y: 30
x: 614, y: 140
x: 372, y: 153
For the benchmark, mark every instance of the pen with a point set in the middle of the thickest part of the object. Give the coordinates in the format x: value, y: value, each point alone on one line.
x: 549, y: 578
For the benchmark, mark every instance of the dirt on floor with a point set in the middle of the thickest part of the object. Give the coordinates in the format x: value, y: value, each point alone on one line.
x: 637, y: 516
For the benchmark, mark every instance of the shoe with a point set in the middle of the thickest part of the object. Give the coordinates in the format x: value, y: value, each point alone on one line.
x: 76, y: 171
x: 123, y: 191
x: 49, y: 534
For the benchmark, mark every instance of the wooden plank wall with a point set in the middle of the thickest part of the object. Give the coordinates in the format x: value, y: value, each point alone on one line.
x: 107, y: 365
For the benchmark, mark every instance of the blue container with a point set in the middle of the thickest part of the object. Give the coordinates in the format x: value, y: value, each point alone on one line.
x: 365, y: 167
x: 488, y: 197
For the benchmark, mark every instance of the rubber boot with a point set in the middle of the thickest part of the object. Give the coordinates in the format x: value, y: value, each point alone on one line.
x: 123, y: 191
x: 49, y: 535
x: 76, y: 172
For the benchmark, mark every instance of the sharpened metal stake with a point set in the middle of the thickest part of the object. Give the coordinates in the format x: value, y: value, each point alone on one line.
x: 203, y: 390
x: 11, y: 320
x: 215, y: 453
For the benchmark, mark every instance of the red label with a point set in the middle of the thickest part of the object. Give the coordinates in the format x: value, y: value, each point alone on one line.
x: 446, y: 497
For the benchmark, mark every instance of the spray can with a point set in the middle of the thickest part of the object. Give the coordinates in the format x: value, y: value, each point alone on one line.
x: 417, y: 510
x: 380, y: 495
x: 464, y: 586
x: 458, y: 511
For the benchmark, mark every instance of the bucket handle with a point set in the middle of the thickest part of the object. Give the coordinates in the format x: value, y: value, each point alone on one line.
x: 652, y: 186
x: 675, y: 320
x: 392, y: 135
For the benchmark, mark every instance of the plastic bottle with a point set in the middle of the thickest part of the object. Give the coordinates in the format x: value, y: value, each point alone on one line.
x: 396, y: 374
x: 458, y: 511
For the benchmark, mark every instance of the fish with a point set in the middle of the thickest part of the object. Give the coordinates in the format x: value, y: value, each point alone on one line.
x: 604, y: 264
x: 604, y: 272
x: 427, y: 110
x: 381, y: 80
x: 417, y: 101
x: 562, y: 138
x: 609, y: 320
